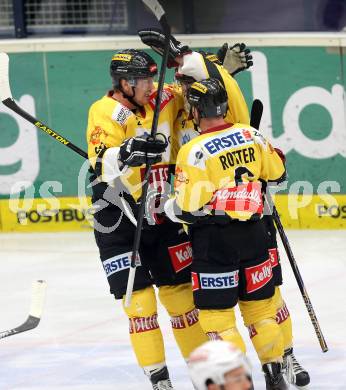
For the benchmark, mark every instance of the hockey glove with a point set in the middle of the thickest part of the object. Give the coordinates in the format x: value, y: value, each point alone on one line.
x: 221, y: 53
x: 155, y: 38
x: 236, y: 58
x: 137, y: 151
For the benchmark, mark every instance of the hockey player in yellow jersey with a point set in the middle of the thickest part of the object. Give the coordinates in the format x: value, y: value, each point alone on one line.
x: 185, y: 129
x: 218, y: 182
x: 190, y: 67
x: 119, y: 145
x: 294, y: 372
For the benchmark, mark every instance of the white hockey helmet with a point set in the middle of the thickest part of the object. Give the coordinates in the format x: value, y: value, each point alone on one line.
x: 212, y: 360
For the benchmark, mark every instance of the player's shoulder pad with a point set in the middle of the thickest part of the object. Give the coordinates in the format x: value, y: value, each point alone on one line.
x: 258, y: 137
x: 97, y: 104
x: 251, y: 132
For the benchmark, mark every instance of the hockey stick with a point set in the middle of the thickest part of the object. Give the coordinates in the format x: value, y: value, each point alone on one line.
x: 8, y: 101
x: 256, y: 114
x: 38, y: 291
x: 298, y: 277
x: 159, y: 13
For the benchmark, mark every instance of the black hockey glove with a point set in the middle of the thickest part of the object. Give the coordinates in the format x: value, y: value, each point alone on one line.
x: 155, y: 38
x: 221, y: 53
x: 137, y: 151
x: 236, y: 58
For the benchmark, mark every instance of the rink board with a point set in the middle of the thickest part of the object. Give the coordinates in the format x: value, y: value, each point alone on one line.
x: 75, y: 214
x: 46, y: 215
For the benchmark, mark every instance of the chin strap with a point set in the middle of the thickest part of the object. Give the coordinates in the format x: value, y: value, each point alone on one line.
x: 128, y: 97
x: 131, y: 98
x: 196, y: 128
x: 196, y: 122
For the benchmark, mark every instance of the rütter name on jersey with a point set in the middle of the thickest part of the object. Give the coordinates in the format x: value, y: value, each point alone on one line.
x: 237, y: 157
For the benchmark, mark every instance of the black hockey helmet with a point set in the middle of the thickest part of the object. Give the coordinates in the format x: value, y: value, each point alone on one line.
x: 131, y: 64
x: 209, y: 97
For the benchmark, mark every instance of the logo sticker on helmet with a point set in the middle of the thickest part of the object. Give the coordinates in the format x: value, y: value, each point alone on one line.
x: 199, y: 87
x: 153, y: 68
x: 122, y: 57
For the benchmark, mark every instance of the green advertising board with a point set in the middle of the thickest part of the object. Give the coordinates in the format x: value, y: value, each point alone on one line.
x: 302, y: 89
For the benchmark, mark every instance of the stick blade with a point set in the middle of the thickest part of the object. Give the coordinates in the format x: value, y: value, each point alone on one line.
x: 38, y: 291
x: 256, y: 113
x: 5, y: 90
x: 155, y: 7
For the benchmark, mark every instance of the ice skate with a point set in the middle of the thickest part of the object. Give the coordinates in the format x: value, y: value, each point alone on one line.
x: 273, y: 376
x: 294, y: 372
x: 159, y: 379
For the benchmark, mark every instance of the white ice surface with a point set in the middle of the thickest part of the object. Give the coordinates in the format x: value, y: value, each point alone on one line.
x: 82, y: 341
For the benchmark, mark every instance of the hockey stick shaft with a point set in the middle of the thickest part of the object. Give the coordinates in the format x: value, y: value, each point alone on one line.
x: 12, y: 105
x: 8, y: 101
x: 298, y: 278
x: 159, y: 13
x: 38, y: 291
x: 256, y: 115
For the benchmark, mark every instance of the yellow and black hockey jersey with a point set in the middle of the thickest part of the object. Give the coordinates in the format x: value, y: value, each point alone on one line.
x: 110, y: 122
x: 222, y: 170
